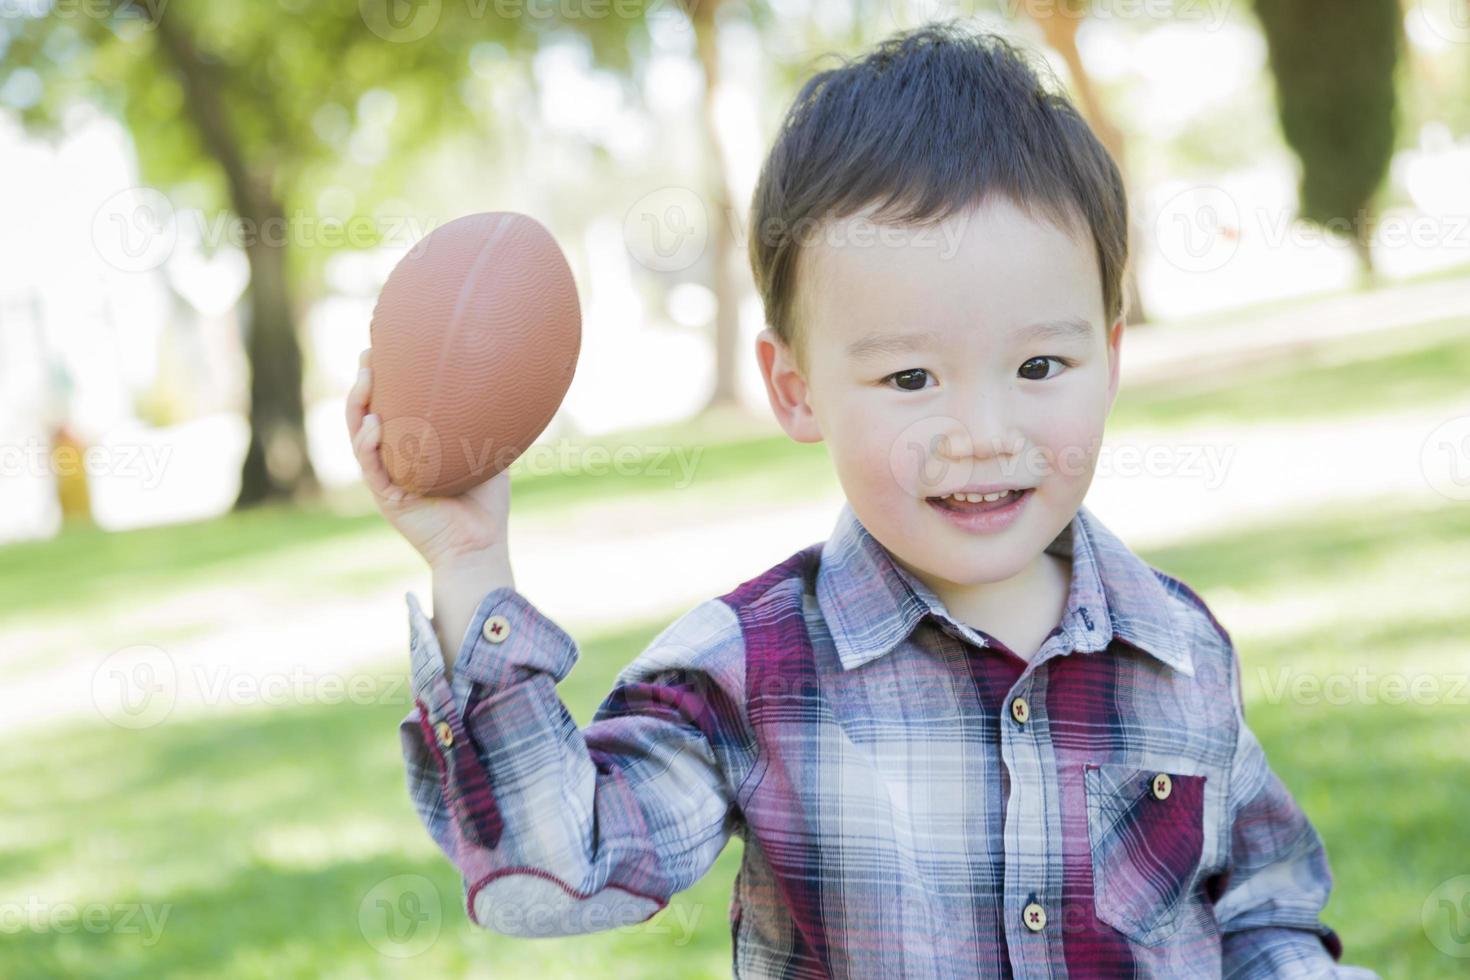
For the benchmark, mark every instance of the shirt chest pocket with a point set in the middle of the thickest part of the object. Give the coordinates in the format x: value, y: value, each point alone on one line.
x: 1146, y: 829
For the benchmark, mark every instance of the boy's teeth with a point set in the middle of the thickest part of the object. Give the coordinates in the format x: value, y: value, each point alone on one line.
x: 976, y: 498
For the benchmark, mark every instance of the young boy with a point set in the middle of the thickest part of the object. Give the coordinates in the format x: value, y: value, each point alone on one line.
x: 960, y: 737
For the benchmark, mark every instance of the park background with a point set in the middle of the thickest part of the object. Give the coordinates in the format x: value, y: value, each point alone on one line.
x: 203, y: 633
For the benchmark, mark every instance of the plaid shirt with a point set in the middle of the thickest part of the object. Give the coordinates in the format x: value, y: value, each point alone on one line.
x: 914, y: 798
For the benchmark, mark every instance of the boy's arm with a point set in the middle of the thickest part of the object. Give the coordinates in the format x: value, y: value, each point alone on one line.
x: 1270, y: 895
x: 557, y: 830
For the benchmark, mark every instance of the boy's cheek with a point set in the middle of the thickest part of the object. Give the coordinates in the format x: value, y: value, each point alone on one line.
x: 1071, y: 452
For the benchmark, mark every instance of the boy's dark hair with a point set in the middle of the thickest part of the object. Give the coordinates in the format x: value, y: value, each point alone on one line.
x: 930, y: 122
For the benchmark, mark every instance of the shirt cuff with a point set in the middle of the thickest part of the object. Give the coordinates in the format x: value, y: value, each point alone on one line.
x: 507, y: 639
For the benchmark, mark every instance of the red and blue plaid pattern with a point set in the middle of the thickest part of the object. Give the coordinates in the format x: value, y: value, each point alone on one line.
x: 901, y: 814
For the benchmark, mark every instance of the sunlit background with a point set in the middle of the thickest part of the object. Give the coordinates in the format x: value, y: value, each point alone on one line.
x: 1292, y: 438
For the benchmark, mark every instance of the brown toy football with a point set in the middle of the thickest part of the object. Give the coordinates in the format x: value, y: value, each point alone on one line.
x: 475, y: 339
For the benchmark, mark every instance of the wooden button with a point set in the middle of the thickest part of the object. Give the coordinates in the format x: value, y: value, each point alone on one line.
x: 445, y: 733
x: 496, y: 629
x: 1163, y: 786
x: 1034, y: 916
x: 1020, y: 710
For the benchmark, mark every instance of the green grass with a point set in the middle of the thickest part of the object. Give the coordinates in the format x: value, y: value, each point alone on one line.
x: 1377, y: 762
x: 260, y: 832
x: 1335, y: 381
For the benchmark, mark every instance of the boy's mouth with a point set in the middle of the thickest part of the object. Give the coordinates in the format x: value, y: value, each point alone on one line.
x: 971, y: 504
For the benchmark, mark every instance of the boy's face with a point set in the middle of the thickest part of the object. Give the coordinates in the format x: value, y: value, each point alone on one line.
x: 980, y: 401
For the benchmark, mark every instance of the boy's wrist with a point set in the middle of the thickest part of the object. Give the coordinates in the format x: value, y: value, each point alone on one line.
x: 492, y: 562
x: 459, y: 585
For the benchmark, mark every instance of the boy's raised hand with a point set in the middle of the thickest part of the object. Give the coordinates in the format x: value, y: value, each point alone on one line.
x: 447, y: 531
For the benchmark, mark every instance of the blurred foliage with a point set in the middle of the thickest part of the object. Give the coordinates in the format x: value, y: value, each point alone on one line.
x: 315, y: 95
x: 1335, y: 70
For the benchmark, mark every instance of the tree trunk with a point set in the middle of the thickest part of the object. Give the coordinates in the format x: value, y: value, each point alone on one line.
x: 1360, y: 236
x: 721, y: 234
x: 1060, y: 29
x: 276, y: 463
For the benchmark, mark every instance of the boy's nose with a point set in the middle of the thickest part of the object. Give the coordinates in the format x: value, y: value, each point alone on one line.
x: 940, y: 451
x: 984, y: 427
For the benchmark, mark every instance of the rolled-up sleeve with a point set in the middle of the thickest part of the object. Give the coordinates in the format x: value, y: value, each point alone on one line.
x: 1270, y: 896
x: 558, y: 830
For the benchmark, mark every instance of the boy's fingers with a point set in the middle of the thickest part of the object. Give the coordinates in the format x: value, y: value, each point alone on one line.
x: 373, y: 470
x: 365, y: 444
x: 357, y: 401
x: 365, y: 430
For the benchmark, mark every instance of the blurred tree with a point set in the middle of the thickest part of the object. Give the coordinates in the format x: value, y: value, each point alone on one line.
x: 1059, y: 21
x: 702, y: 15
x: 264, y: 106
x: 1334, y: 63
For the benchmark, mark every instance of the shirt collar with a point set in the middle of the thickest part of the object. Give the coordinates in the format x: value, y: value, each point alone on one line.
x: 871, y: 603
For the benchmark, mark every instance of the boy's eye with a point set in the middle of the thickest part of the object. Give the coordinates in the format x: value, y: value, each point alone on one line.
x: 913, y: 378
x: 905, y: 379
x: 1030, y: 375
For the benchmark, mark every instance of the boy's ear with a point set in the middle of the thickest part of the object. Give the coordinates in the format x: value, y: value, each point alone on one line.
x: 1115, y: 351
x: 786, y: 388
